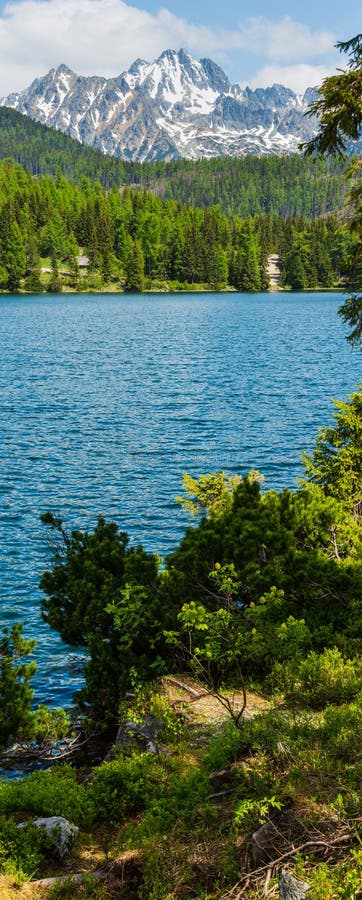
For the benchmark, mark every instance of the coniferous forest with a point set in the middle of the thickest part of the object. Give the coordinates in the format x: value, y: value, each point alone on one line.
x: 56, y: 234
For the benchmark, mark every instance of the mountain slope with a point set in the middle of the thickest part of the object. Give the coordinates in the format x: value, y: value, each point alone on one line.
x: 288, y: 185
x: 176, y: 107
x: 45, y: 151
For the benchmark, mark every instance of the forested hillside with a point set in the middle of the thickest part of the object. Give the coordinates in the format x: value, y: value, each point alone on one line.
x: 286, y: 186
x: 45, y: 151
x: 56, y: 233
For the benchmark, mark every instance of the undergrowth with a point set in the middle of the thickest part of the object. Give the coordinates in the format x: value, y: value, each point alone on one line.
x: 192, y: 809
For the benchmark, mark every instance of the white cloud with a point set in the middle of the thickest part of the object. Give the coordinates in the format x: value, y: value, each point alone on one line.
x: 91, y: 36
x: 104, y: 36
x: 285, y: 40
x: 298, y: 77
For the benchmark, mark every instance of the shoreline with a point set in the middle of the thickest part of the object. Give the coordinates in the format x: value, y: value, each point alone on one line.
x: 168, y: 291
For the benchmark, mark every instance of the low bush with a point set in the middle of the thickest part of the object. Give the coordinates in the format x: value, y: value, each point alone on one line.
x: 149, y: 702
x: 342, y: 730
x: 335, y: 882
x: 21, y: 849
x: 320, y: 679
x: 225, y: 747
x: 128, y: 782
x: 52, y: 793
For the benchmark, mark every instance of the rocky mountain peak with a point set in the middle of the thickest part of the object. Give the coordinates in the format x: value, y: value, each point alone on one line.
x: 137, y: 65
x: 62, y: 69
x: 175, y: 106
x: 277, y: 94
x: 216, y: 76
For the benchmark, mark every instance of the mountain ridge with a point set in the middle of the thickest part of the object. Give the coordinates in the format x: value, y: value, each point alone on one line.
x: 175, y: 107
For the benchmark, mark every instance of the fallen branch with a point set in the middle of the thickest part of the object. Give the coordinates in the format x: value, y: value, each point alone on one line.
x: 186, y: 687
x: 112, y: 870
x: 46, y: 751
x: 220, y: 794
x: 59, y: 880
x: 238, y: 890
x: 266, y: 884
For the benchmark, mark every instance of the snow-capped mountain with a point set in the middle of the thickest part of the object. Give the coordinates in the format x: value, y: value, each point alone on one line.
x: 171, y: 108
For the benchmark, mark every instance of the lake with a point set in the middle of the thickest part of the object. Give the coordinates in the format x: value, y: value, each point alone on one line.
x: 106, y: 399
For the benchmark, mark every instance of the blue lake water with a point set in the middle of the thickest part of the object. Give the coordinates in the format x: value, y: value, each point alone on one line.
x: 106, y: 400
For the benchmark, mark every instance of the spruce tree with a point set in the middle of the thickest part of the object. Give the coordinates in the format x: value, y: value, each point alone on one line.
x: 15, y: 257
x: 54, y: 286
x: 134, y: 270
x: 294, y: 271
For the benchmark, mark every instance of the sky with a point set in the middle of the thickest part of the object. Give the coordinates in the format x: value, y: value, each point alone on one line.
x: 257, y: 42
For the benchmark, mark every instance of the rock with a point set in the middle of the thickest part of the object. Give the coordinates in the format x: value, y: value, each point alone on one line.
x: 292, y: 889
x: 224, y: 778
x: 262, y: 843
x: 145, y: 732
x: 60, y: 832
x: 149, y: 729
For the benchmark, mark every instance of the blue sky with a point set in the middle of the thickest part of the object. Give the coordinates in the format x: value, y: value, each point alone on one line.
x: 255, y: 41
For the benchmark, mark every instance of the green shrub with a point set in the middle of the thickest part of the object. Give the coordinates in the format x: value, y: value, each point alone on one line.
x: 148, y: 702
x: 225, y: 747
x: 190, y: 791
x: 52, y: 793
x: 342, y: 730
x: 127, y: 783
x: 251, y: 813
x: 21, y: 849
x: 183, y: 801
x: 320, y: 678
x: 335, y: 882
x: 174, y: 727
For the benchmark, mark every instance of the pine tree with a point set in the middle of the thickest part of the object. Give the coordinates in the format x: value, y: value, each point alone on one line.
x: 339, y: 109
x: 15, y: 257
x: 54, y: 286
x: 294, y: 271
x: 73, y: 251
x: 219, y: 268
x: 33, y: 282
x: 15, y: 683
x: 250, y: 275
x: 134, y: 270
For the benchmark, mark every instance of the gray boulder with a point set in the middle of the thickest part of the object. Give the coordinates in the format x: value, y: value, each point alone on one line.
x: 146, y: 732
x: 60, y: 832
x: 262, y: 843
x: 148, y: 729
x: 292, y: 889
